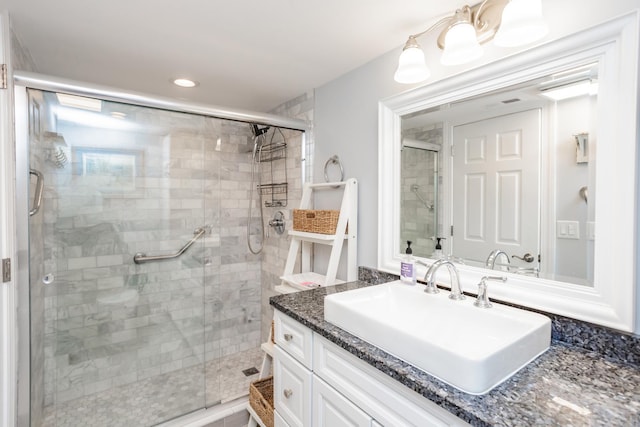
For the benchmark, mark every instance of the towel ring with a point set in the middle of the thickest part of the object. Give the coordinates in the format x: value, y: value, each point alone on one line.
x: 333, y: 160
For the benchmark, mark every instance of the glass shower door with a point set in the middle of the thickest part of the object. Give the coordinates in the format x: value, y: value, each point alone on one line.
x: 419, y: 197
x: 116, y: 342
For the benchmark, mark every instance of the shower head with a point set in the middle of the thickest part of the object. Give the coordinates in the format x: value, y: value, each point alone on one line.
x: 257, y: 131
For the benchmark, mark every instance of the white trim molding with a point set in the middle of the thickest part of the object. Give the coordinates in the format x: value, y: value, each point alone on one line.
x: 614, y: 45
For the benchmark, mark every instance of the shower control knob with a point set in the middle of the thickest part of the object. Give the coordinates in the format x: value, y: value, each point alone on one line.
x: 288, y: 337
x: 277, y: 222
x: 287, y: 393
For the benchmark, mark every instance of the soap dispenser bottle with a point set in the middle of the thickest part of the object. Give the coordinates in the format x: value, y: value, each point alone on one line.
x: 437, y: 253
x: 408, y: 267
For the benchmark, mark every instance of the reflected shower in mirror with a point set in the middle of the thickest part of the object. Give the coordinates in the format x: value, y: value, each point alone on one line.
x: 516, y: 166
x: 419, y: 189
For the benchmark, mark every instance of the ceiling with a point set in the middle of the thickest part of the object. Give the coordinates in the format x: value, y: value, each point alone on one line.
x: 248, y: 54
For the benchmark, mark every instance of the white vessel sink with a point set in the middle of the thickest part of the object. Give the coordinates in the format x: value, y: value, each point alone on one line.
x: 470, y: 348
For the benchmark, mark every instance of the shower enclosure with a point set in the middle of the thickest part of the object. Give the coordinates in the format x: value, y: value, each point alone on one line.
x: 145, y: 303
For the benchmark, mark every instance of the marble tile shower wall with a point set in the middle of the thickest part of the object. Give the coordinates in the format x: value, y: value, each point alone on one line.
x: 110, y: 322
x: 276, y: 248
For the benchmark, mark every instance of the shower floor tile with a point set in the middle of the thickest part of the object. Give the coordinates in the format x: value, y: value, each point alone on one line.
x: 157, y: 399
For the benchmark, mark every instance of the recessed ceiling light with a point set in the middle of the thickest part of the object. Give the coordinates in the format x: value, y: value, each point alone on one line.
x: 185, y: 82
x: 118, y: 115
x: 82, y: 102
x: 572, y: 90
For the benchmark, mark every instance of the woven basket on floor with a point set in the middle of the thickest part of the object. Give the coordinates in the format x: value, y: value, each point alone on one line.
x: 261, y: 399
x: 315, y: 221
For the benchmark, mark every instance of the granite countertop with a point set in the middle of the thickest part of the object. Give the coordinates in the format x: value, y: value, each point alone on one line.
x: 565, y: 386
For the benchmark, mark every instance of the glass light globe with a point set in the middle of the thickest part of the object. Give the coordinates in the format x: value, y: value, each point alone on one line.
x: 522, y: 23
x: 411, y: 66
x: 461, y: 45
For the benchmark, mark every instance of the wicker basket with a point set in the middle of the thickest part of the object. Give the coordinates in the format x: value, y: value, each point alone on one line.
x: 315, y: 221
x: 261, y: 399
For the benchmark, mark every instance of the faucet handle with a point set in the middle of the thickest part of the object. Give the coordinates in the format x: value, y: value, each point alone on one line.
x: 483, y: 297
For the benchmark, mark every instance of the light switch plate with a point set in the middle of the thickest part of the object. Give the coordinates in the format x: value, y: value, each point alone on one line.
x: 568, y: 229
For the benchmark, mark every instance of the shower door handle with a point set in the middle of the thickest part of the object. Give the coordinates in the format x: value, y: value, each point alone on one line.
x: 37, y: 198
x: 140, y: 257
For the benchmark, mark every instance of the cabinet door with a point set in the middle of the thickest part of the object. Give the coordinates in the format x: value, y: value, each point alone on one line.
x: 278, y: 421
x: 292, y: 389
x: 331, y: 409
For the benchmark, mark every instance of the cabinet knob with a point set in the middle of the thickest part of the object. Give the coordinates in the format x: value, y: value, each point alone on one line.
x: 288, y: 337
x: 287, y: 393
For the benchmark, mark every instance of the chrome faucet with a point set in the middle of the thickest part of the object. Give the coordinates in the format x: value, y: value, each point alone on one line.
x: 483, y: 297
x: 430, y: 278
x: 493, y: 256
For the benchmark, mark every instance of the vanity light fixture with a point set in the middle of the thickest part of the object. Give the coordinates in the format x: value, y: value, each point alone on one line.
x: 508, y: 23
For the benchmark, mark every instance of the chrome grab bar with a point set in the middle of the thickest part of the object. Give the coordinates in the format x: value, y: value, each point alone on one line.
x: 37, y: 199
x: 140, y: 257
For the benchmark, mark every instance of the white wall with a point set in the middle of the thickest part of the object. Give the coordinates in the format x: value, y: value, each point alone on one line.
x: 346, y: 113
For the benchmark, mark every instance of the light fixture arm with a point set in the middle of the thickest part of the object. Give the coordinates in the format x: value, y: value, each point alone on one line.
x: 484, y: 16
x: 431, y: 28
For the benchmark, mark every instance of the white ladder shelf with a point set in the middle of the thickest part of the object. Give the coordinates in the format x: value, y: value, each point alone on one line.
x: 346, y: 230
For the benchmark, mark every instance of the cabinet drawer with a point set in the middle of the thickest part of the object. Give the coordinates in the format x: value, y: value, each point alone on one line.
x: 331, y: 409
x: 291, y: 389
x: 384, y: 399
x: 294, y: 338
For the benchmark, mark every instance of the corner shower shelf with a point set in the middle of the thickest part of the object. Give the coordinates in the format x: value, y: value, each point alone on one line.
x: 274, y: 194
x: 272, y: 152
x: 278, y: 193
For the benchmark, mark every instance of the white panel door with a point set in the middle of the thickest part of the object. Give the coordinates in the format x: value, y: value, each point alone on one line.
x: 496, y: 167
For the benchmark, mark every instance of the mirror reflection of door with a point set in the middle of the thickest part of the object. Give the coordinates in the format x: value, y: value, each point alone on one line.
x: 495, y: 188
x: 419, y: 195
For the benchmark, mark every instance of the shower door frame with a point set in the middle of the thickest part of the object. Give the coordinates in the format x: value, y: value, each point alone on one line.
x: 22, y: 82
x: 8, y: 244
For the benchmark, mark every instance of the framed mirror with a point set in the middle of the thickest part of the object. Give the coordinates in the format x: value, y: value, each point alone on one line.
x: 514, y: 173
x: 516, y: 166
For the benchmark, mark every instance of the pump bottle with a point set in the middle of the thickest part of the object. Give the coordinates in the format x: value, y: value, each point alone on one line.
x: 408, y: 266
x: 437, y: 253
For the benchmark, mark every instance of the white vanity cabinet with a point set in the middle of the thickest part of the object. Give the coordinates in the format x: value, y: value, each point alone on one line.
x: 319, y: 384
